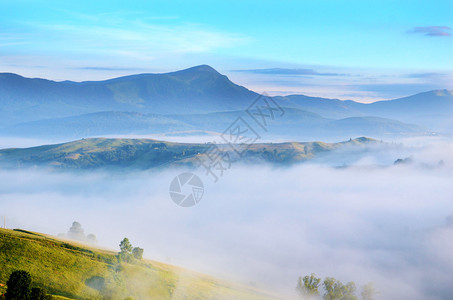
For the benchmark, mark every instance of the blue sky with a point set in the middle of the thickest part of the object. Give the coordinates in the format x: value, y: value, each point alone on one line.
x: 362, y: 50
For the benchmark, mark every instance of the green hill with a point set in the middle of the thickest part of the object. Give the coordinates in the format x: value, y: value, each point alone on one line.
x: 148, y: 154
x: 77, y: 271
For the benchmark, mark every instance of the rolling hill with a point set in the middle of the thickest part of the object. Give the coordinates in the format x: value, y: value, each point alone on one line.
x: 124, y: 154
x: 76, y: 271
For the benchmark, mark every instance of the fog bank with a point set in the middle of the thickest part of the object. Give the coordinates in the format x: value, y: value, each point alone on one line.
x: 265, y: 225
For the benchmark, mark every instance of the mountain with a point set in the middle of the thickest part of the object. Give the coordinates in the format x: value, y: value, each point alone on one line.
x: 124, y: 154
x: 97, y: 124
x: 328, y: 108
x: 295, y: 124
x: 199, y: 89
x: 69, y: 270
x: 432, y: 102
x: 373, y: 126
x: 109, y: 123
x: 200, y: 98
x: 432, y: 109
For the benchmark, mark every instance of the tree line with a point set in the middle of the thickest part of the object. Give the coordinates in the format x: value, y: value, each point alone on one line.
x: 309, y: 287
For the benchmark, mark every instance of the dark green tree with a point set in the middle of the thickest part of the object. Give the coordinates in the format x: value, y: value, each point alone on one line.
x: 138, y: 253
x: 38, y: 294
x: 125, y: 254
x: 125, y: 246
x: 19, y: 286
x: 308, y: 286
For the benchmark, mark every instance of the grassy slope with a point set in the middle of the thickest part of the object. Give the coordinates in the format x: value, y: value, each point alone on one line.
x: 63, y: 267
x: 147, y: 153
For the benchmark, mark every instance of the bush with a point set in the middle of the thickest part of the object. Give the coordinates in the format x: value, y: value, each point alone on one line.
x: 138, y: 253
x: 38, y: 294
x: 19, y: 286
x: 96, y: 282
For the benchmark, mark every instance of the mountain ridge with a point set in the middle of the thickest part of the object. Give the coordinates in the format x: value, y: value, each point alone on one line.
x: 196, y: 90
x: 210, y: 70
x: 296, y: 124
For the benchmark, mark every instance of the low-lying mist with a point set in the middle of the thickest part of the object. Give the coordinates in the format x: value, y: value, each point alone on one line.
x: 265, y: 225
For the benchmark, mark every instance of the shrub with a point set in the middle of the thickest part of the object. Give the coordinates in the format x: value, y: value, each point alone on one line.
x: 38, y: 294
x: 19, y: 286
x: 138, y: 253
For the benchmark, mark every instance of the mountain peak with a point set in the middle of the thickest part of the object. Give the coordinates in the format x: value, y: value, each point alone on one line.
x: 200, y: 68
x: 10, y: 75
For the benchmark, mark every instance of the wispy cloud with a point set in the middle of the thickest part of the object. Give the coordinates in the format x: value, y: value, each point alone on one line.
x: 123, y: 38
x: 142, y: 38
x: 432, y: 30
x: 285, y: 71
x: 8, y: 39
x: 426, y: 75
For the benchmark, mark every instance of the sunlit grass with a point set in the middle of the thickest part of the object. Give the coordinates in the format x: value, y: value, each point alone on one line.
x: 63, y: 268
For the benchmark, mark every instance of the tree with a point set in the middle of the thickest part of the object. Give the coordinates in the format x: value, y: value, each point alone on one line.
x: 38, y: 294
x: 138, y: 253
x: 126, y: 249
x: 348, y: 291
x: 335, y: 289
x: 368, y: 291
x: 91, y: 238
x: 125, y: 246
x: 19, y: 286
x: 76, y: 232
x: 308, y: 286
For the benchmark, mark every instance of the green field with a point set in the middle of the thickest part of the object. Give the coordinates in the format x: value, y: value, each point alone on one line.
x: 75, y: 271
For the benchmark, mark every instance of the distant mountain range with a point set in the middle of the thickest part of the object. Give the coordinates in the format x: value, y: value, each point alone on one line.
x: 431, y: 109
x: 196, y: 90
x: 296, y: 124
x: 201, y: 99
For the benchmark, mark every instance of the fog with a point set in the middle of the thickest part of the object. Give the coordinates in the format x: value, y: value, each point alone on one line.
x: 385, y: 224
